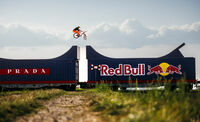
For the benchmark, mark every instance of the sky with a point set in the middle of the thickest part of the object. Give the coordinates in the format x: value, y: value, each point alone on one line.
x: 115, y: 28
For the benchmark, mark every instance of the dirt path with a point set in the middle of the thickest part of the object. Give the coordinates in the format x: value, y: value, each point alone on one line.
x: 70, y: 108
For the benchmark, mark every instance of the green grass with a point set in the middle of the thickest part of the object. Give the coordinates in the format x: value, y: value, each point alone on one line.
x: 153, y: 105
x: 6, y: 93
x: 19, y: 103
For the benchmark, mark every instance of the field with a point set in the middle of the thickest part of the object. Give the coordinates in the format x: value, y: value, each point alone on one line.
x: 100, y: 104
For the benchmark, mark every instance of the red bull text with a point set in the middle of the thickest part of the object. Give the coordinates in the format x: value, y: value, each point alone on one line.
x: 163, y: 69
x: 122, y: 69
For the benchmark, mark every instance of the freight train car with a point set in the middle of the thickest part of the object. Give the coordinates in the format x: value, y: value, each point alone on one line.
x: 130, y: 72
x: 62, y: 71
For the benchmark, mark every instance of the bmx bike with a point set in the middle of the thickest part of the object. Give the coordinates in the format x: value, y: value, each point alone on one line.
x: 75, y: 35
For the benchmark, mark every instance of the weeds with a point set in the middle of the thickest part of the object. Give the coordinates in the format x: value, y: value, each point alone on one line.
x: 151, y: 105
x: 18, y: 103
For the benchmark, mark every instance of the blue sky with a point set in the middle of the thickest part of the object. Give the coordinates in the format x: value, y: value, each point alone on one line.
x: 117, y: 28
x: 66, y: 14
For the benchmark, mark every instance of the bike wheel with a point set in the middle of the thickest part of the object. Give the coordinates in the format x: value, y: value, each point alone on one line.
x: 75, y: 36
x: 84, y: 37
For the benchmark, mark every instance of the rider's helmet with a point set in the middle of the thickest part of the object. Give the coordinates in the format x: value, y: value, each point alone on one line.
x: 78, y: 26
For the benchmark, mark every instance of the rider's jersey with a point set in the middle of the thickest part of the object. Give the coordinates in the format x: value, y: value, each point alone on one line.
x: 76, y: 29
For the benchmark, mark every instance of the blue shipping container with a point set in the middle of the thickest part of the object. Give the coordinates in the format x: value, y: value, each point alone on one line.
x: 127, y: 71
x: 62, y: 70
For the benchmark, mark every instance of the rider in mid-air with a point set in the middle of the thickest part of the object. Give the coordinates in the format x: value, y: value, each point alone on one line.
x: 77, y: 31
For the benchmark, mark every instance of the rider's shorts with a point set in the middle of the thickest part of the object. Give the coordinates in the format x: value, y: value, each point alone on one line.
x: 77, y: 32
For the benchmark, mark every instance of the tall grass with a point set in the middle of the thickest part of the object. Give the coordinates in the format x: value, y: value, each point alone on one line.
x: 151, y: 105
x: 18, y: 103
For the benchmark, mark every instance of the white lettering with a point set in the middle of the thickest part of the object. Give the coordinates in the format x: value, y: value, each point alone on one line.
x: 127, y: 70
x: 9, y: 71
x: 118, y: 71
x: 26, y: 71
x: 43, y: 71
x: 104, y: 70
x: 17, y: 71
x: 34, y: 71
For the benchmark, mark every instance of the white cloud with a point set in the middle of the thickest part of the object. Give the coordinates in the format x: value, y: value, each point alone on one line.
x: 160, y: 32
x: 128, y: 26
x: 188, y: 27
x: 18, y: 35
x: 132, y: 34
x: 182, y: 31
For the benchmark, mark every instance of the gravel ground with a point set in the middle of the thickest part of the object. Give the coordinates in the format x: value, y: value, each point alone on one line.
x: 67, y: 108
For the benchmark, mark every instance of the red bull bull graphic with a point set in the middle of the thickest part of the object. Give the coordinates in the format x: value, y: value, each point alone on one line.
x: 164, y: 69
x: 121, y: 70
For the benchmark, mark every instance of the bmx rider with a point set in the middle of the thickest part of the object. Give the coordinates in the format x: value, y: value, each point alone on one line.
x: 77, y: 31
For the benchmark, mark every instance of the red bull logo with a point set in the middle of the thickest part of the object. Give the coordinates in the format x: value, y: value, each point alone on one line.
x: 164, y: 69
x: 122, y: 69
